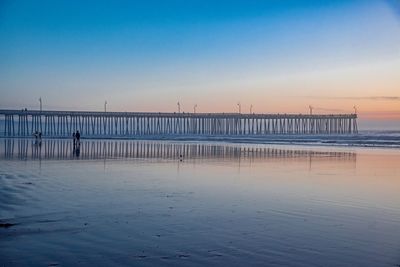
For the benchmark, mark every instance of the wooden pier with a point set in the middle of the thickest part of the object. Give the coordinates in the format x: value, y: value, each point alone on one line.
x: 23, y: 123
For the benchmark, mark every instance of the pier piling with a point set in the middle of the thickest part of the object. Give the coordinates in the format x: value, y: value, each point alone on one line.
x: 22, y: 123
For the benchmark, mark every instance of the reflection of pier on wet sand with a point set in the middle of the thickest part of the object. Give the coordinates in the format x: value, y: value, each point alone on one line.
x: 107, y: 149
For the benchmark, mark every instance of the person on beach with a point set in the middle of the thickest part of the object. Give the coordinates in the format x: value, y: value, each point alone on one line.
x: 38, y: 138
x: 78, y: 136
x: 36, y: 135
x: 77, y: 144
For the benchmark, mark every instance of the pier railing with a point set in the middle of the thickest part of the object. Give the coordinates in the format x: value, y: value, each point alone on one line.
x: 23, y: 123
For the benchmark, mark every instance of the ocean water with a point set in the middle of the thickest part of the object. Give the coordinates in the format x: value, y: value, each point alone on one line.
x: 383, y: 139
x: 189, y: 203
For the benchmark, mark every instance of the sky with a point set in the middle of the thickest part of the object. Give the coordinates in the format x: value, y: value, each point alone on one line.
x: 277, y: 56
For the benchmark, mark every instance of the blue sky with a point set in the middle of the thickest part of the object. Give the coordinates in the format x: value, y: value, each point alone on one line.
x: 279, y: 56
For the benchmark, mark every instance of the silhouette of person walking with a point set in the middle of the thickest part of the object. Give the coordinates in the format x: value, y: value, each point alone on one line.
x: 78, y: 136
x: 36, y: 135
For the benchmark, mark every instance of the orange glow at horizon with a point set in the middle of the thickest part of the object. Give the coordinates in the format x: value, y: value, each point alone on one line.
x: 386, y: 110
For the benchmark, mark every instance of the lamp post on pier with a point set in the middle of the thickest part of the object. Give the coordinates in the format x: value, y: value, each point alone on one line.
x: 194, y: 108
x: 240, y: 107
x: 105, y: 106
x: 40, y: 101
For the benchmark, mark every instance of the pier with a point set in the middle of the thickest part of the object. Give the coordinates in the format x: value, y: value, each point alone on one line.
x: 23, y: 123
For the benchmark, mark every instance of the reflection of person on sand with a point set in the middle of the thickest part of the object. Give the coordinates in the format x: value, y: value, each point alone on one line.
x: 77, y: 150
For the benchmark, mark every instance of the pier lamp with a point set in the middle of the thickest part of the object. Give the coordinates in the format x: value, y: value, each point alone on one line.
x: 194, y: 108
x: 105, y: 106
x: 179, y: 107
x: 240, y: 107
x: 40, y: 101
x: 251, y: 108
x: 355, y: 109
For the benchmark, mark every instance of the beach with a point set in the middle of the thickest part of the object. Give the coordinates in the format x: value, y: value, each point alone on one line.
x: 146, y: 203
x: 200, y: 133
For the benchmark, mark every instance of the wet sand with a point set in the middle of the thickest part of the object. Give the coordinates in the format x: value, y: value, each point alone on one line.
x: 146, y: 203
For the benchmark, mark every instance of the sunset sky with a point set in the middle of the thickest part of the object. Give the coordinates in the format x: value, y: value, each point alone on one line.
x: 279, y: 56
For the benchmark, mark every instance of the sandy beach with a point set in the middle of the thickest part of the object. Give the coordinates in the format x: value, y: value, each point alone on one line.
x: 146, y: 203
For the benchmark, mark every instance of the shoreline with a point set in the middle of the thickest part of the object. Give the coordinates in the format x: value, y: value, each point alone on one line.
x: 361, y: 140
